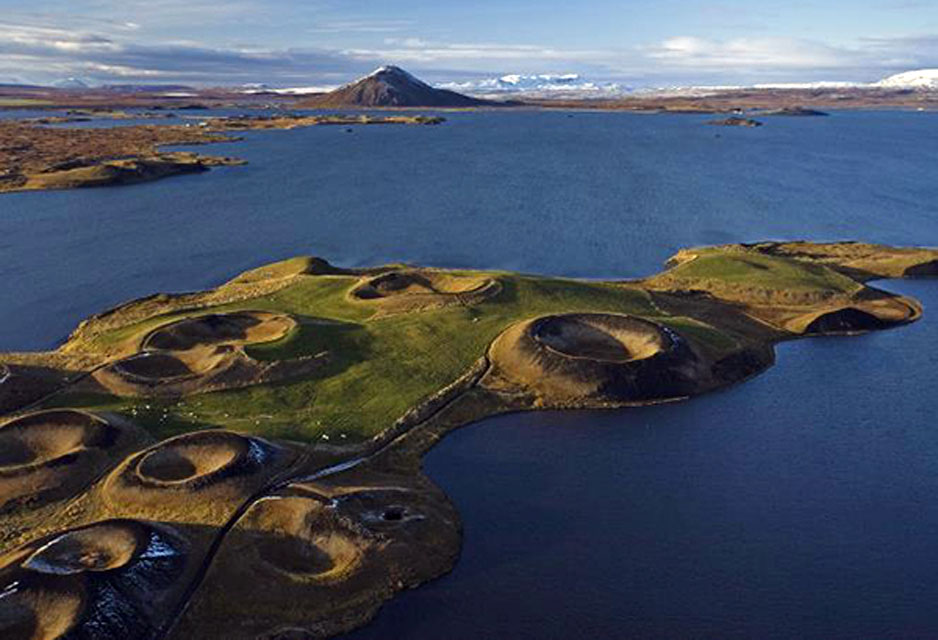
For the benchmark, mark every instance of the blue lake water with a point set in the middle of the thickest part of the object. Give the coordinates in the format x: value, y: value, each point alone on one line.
x: 596, y: 195
x: 800, y: 504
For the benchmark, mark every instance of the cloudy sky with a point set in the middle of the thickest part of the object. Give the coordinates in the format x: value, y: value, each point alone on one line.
x: 327, y: 42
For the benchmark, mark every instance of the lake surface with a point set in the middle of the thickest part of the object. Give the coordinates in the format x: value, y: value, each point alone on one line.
x: 800, y: 504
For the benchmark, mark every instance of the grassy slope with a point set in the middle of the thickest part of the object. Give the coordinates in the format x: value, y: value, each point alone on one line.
x: 381, y: 366
x: 754, y: 270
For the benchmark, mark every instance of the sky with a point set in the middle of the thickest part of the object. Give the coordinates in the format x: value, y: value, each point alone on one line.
x: 639, y: 43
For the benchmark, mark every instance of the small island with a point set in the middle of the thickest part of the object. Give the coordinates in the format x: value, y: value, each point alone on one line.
x: 260, y: 444
x: 736, y: 121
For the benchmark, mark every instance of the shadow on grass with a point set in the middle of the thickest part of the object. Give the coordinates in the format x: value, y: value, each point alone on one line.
x: 347, y: 343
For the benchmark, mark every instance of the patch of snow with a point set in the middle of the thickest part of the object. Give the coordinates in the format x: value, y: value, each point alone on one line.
x: 328, y: 471
x: 257, y: 452
x: 36, y: 563
x: 397, y: 72
x: 10, y: 589
x: 808, y: 85
x: 918, y: 79
x: 291, y: 91
x: 158, y: 548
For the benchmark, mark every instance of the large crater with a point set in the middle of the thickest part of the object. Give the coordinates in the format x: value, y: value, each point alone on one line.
x: 584, y: 359
x: 246, y: 327
x: 154, y: 367
x: 304, y: 538
x: 600, y: 337
x: 47, y: 436
x: 197, y: 459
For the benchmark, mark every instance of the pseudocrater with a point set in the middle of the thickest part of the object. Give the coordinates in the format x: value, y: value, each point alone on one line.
x: 51, y: 454
x: 110, y: 579
x: 305, y: 538
x: 600, y: 337
x: 591, y: 358
x: 248, y: 327
x: 199, y: 354
x: 416, y: 289
x: 103, y: 547
x: 195, y: 459
x: 47, y: 436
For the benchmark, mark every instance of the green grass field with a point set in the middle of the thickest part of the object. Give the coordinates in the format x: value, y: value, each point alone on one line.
x: 380, y: 366
x: 757, y: 270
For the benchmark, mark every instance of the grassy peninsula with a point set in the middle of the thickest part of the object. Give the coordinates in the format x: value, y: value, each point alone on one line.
x: 266, y: 435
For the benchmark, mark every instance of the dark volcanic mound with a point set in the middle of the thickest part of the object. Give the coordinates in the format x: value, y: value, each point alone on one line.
x: 391, y: 87
x: 847, y: 320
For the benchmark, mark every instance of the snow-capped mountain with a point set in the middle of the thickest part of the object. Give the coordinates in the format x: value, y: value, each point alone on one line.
x: 919, y: 79
x: 542, y: 85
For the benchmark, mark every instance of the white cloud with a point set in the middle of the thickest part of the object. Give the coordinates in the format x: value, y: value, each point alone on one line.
x: 361, y: 26
x: 39, y: 51
x: 689, y: 51
x: 474, y: 55
x: 115, y: 41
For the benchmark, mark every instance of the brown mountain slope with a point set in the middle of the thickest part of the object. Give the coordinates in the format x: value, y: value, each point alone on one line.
x: 391, y: 87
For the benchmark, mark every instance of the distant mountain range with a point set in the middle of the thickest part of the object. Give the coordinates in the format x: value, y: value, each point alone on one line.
x: 540, y: 86
x: 573, y: 86
x: 391, y: 87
